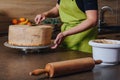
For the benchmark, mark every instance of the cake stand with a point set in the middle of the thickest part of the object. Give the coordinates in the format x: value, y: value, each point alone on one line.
x: 27, y: 48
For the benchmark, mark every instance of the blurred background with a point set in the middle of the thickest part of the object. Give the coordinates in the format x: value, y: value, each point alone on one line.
x: 109, y: 13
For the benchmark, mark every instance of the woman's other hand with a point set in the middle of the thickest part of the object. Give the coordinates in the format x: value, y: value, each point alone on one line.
x: 58, y: 40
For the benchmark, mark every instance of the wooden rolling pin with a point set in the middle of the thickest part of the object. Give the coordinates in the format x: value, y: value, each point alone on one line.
x: 67, y: 67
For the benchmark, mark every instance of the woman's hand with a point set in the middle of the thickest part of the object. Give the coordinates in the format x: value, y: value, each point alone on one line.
x: 39, y: 18
x: 60, y: 37
x: 52, y: 13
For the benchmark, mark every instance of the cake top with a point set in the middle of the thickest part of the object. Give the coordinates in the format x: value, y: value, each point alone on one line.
x: 27, y: 26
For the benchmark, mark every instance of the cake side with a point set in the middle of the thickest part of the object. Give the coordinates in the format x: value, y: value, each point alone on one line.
x: 22, y: 35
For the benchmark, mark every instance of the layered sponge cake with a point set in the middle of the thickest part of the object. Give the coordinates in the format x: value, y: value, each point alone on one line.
x: 24, y: 35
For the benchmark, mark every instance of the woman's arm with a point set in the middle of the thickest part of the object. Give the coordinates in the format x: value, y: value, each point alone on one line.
x: 54, y: 12
x: 91, y: 21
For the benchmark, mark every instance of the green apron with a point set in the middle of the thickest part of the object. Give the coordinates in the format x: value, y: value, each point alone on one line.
x: 71, y: 16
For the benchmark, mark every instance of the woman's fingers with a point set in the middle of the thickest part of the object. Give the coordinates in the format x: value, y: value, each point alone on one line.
x: 54, y: 46
x: 39, y: 18
x: 57, y: 41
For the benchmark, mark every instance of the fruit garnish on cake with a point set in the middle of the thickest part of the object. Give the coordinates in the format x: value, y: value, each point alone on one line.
x: 21, y: 21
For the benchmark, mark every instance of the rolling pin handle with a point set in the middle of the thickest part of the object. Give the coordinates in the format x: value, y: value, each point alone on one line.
x: 98, y: 61
x: 38, y: 72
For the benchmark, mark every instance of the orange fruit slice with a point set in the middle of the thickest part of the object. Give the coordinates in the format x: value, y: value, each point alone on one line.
x: 14, y: 21
x: 29, y: 23
x: 22, y: 19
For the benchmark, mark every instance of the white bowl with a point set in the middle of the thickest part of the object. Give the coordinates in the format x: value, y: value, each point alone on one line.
x: 106, y: 50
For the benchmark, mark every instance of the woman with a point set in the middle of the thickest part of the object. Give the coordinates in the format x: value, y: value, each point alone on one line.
x: 79, y: 19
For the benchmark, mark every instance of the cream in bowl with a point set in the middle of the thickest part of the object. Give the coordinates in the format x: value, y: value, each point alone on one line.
x: 106, y: 50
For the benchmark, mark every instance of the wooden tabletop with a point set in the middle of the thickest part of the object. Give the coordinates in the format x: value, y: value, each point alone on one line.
x: 16, y: 65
